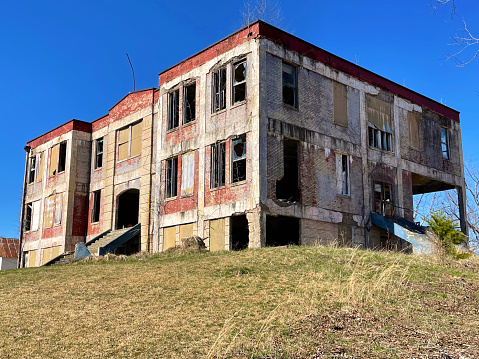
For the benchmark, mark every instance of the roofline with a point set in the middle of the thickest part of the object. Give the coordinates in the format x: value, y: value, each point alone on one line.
x: 73, y: 120
x: 309, y: 50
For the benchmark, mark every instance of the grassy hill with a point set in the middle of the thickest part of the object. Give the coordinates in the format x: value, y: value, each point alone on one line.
x: 295, y: 302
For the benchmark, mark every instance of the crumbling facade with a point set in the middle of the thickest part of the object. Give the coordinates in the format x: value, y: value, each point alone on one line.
x: 261, y: 139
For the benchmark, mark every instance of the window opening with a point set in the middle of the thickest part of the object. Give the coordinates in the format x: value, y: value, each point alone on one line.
x: 282, y: 231
x: 444, y: 143
x: 219, y: 90
x: 345, y: 175
x: 217, y: 165
x: 99, y: 153
x: 239, y: 159
x: 289, y: 85
x: 380, y: 139
x: 190, y: 103
x: 383, y: 203
x: 31, y: 174
x: 28, y: 217
x: 62, y: 156
x: 95, y: 212
x: 171, y: 177
x: 173, y: 109
x: 287, y: 188
x: 239, y: 82
x: 187, y: 174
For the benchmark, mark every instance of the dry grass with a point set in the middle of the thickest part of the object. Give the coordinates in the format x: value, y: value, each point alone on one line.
x: 297, y: 302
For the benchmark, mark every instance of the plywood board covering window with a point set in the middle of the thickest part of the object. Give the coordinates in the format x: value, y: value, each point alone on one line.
x: 340, y: 109
x: 169, y: 237
x: 39, y: 166
x: 414, y: 119
x: 217, y: 235
x: 32, y: 258
x: 187, y: 174
x: 186, y: 230
x: 129, y: 142
x: 54, y: 160
x: 379, y: 114
x: 53, y: 210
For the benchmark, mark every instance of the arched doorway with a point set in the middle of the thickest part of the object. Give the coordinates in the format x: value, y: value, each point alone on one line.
x: 128, y: 204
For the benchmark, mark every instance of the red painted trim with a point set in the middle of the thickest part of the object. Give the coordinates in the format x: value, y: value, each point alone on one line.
x: 71, y: 125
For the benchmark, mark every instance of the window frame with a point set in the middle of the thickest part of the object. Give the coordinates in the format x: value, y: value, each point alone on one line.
x: 235, y: 85
x: 96, y: 207
x: 28, y: 217
x: 294, y: 87
x: 218, y: 90
x: 173, y: 121
x: 345, y: 175
x: 186, y: 104
x: 380, y: 140
x: 62, y: 156
x: 32, y: 171
x: 98, y: 161
x: 171, y: 177
x: 129, y: 141
x: 218, y: 165
x: 445, y: 144
x: 236, y: 162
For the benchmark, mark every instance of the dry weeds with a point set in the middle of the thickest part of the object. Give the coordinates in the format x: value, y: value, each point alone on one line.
x: 297, y: 302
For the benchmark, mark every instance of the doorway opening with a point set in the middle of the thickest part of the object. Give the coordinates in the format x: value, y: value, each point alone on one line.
x: 128, y: 204
x: 239, y: 232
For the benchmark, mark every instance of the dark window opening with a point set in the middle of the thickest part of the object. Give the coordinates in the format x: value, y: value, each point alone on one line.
x: 239, y: 233
x: 239, y: 159
x: 99, y: 153
x: 173, y: 109
x: 190, y: 103
x: 171, y: 177
x: 287, y: 188
x: 219, y: 90
x: 282, y: 231
x: 380, y: 139
x: 31, y: 174
x: 444, y: 143
x: 62, y: 156
x: 383, y: 199
x: 95, y: 212
x: 217, y: 165
x: 290, y: 90
x: 344, y: 175
x: 239, y: 82
x: 128, y: 204
x: 28, y: 217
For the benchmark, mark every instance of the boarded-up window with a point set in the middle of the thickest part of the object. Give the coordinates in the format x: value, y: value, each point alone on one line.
x: 129, y: 141
x: 39, y: 166
x: 414, y: 119
x: 56, y: 251
x: 58, y: 209
x: 169, y: 237
x: 32, y: 258
x: 46, y: 255
x: 49, y: 211
x: 53, y: 160
x: 187, y: 174
x: 186, y: 230
x: 340, y: 109
x: 217, y: 235
x: 36, y: 215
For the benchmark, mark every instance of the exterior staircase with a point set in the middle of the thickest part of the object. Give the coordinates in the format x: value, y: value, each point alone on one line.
x: 100, y: 245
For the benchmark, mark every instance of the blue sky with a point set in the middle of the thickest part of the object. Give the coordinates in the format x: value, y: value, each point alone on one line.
x: 66, y: 59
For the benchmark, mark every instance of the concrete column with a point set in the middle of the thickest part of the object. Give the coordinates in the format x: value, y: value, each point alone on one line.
x: 145, y: 181
x: 108, y: 195
x: 257, y: 228
x: 461, y: 200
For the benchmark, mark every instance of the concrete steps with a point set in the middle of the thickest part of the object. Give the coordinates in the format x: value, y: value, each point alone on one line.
x: 93, y: 247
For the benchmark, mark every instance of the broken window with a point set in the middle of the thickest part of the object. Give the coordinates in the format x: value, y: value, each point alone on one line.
x: 173, y: 109
x: 444, y: 143
x: 187, y: 174
x: 32, y: 170
x: 28, y: 217
x: 383, y: 202
x: 380, y: 123
x: 343, y: 174
x: 217, y: 165
x: 129, y: 141
x: 95, y: 211
x: 58, y: 209
x: 171, y: 177
x: 98, y: 153
x: 290, y: 90
x: 219, y: 90
x: 380, y: 139
x: 287, y: 188
x: 239, y: 159
x: 189, y: 102
x: 239, y: 82
x: 53, y: 210
x: 62, y: 156
x: 340, y: 106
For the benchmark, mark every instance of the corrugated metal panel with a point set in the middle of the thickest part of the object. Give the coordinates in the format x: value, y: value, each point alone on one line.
x: 187, y: 174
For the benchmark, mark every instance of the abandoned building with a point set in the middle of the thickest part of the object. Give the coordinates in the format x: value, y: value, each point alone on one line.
x: 261, y: 139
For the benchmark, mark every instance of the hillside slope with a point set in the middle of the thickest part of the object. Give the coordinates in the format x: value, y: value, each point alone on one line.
x: 296, y: 302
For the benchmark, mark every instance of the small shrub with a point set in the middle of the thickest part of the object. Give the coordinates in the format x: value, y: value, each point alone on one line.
x: 447, y: 233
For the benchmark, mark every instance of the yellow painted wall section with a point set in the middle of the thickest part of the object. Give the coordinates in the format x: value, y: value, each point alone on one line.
x: 217, y: 235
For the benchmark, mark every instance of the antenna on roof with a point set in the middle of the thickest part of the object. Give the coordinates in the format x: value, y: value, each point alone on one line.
x: 133, y: 71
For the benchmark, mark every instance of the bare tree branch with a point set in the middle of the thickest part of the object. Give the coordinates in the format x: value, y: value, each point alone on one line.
x: 465, y: 40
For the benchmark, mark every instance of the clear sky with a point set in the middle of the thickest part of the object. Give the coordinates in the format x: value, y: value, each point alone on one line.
x: 66, y: 59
